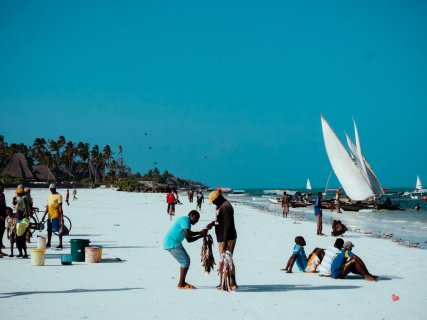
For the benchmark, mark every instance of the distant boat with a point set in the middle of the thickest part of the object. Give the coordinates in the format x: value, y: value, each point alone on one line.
x: 238, y: 193
x: 308, y: 187
x: 352, y: 169
x: 419, y: 191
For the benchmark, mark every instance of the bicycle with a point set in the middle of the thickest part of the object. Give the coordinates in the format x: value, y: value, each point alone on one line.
x: 36, y: 224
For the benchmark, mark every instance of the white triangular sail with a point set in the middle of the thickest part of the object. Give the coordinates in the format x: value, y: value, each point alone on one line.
x: 359, y: 156
x: 308, y: 187
x: 372, y: 178
x: 348, y: 173
x: 418, y: 185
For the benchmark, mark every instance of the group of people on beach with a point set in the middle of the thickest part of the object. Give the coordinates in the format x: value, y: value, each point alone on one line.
x: 226, y: 237
x: 336, y: 262
x: 15, y: 220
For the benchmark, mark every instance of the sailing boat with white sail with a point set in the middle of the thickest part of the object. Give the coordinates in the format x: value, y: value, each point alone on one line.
x: 308, y: 186
x: 352, y: 170
x: 419, y: 190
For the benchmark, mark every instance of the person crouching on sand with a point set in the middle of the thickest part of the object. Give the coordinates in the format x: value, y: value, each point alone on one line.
x: 298, y: 256
x: 172, y: 242
x: 346, y: 261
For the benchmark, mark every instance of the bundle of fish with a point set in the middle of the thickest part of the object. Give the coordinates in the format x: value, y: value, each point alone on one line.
x: 208, y: 260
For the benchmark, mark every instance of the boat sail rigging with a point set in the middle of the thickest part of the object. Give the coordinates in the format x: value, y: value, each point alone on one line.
x: 352, y: 170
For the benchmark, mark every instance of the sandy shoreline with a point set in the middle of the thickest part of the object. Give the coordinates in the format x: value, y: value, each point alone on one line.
x: 131, y: 226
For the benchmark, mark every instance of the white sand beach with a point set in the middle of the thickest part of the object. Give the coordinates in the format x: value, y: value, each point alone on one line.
x: 131, y: 226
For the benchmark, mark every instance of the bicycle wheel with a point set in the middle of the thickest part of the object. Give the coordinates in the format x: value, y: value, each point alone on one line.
x: 67, y: 223
x: 34, y: 225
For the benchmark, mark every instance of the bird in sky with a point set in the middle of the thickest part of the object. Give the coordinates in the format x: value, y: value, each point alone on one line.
x: 150, y: 148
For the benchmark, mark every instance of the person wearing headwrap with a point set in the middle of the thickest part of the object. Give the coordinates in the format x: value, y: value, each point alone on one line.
x: 225, y: 229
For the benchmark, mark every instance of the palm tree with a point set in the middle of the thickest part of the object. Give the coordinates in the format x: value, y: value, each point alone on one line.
x: 95, y: 160
x: 83, y: 153
x: 68, y: 155
x: 107, y: 155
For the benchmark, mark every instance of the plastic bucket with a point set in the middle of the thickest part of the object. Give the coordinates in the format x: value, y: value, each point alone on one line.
x: 41, y: 242
x: 37, y: 257
x: 66, y: 259
x: 99, y: 252
x: 91, y: 254
x: 78, y: 249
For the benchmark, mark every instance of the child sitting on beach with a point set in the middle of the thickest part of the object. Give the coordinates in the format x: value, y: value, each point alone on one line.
x: 298, y: 256
x: 338, y: 228
x: 10, y: 225
x: 21, y: 233
x: 314, y: 260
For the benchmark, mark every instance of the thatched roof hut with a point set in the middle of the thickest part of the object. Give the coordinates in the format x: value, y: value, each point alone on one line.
x: 18, y: 167
x: 43, y: 173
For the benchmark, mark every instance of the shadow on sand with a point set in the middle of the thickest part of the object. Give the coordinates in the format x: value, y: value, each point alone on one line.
x: 287, y: 287
x: 27, y: 293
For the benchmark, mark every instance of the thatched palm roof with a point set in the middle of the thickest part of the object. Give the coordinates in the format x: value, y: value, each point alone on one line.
x: 18, y: 167
x: 43, y: 173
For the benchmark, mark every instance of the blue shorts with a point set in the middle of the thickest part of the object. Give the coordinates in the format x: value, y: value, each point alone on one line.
x: 181, y: 256
x: 53, y: 225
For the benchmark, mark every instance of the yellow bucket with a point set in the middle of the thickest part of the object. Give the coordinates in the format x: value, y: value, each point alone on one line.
x: 99, y: 254
x: 37, y: 257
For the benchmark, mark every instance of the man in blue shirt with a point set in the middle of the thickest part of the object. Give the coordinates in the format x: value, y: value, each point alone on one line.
x: 346, y: 261
x: 318, y: 213
x: 172, y: 242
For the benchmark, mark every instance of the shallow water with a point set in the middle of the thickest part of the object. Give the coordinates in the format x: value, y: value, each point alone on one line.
x: 408, y: 227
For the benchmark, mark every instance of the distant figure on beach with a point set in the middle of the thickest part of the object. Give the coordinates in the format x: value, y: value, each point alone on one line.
x: 27, y: 192
x: 285, y: 205
x: 67, y: 197
x: 298, y: 256
x: 3, y: 215
x: 74, y: 193
x: 337, y: 200
x: 175, y: 191
x: 417, y: 207
x: 22, y: 224
x: 346, y: 261
x: 172, y: 242
x: 190, y: 195
x: 330, y: 253
x: 338, y: 228
x: 200, y: 199
x: 54, y: 218
x: 170, y: 199
x: 318, y: 213
x: 10, y: 229
x: 388, y: 201
x: 225, y: 230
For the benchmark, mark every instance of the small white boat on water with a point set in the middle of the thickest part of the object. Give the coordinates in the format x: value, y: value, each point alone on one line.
x: 308, y: 186
x: 418, y: 192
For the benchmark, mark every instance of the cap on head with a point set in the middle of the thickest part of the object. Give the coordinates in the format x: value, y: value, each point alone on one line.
x: 52, y: 186
x: 348, y: 245
x: 214, y: 195
x: 20, y: 189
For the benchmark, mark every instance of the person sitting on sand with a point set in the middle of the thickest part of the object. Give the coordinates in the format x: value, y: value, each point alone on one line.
x: 330, y: 253
x: 172, y: 242
x: 314, y: 260
x: 346, y: 261
x: 298, y: 256
x: 338, y: 228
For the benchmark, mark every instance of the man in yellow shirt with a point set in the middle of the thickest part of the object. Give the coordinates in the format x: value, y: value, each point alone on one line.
x: 54, y: 211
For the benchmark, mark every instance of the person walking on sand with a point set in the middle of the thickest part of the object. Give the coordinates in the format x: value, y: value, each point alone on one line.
x: 190, y: 195
x: 346, y: 261
x: 172, y: 242
x: 285, y: 205
x: 318, y: 213
x: 200, y: 199
x: 337, y: 200
x: 225, y: 229
x: 170, y: 199
x: 74, y: 193
x: 67, y: 197
x: 55, y: 218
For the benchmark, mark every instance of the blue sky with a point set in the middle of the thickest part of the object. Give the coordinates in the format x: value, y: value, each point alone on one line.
x: 229, y: 93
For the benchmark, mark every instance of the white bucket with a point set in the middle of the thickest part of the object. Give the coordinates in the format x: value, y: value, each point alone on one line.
x: 41, y: 242
x: 37, y: 257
